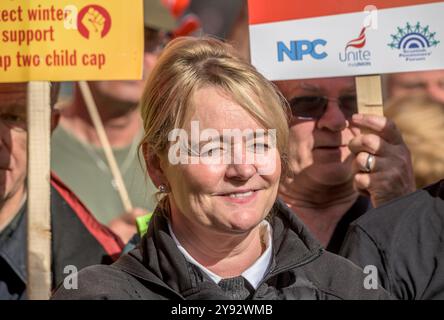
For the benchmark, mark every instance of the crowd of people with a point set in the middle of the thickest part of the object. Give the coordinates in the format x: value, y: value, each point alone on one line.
x: 285, y: 192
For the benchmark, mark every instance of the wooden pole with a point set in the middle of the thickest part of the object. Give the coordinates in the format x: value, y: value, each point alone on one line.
x: 92, y: 109
x: 369, y: 94
x: 38, y: 210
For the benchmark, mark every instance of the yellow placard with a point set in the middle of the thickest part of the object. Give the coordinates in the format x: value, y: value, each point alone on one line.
x: 67, y: 40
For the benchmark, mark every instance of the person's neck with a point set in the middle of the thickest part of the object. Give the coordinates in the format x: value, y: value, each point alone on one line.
x: 227, y: 256
x: 121, y: 123
x: 10, y: 207
x: 319, y: 206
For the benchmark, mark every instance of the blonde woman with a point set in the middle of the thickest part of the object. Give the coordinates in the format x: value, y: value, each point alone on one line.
x: 215, y: 145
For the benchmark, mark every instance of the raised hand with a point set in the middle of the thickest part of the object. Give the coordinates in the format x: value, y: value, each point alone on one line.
x: 390, y: 173
x: 94, y: 21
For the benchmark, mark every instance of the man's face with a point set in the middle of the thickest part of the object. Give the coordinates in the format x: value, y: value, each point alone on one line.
x: 130, y: 91
x: 430, y: 83
x: 13, y: 137
x: 318, y: 148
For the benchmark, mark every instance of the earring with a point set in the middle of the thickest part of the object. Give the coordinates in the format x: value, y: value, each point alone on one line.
x: 162, y: 188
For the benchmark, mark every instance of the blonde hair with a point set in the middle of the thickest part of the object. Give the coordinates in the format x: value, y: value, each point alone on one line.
x: 188, y: 64
x: 421, y: 122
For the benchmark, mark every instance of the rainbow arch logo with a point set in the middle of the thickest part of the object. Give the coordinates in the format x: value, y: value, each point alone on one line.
x: 413, y: 37
x: 414, y: 42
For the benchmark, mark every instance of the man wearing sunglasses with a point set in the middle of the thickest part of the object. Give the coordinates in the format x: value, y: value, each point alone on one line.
x: 77, y: 239
x: 337, y: 172
x: 77, y: 152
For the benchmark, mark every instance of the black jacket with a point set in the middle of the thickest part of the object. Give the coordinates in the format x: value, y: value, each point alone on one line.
x: 360, y: 207
x: 404, y: 240
x: 77, y: 239
x: 156, y: 269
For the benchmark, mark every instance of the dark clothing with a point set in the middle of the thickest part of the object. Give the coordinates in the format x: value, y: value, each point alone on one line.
x: 237, y: 288
x: 361, y: 206
x: 77, y: 239
x: 7, y: 232
x: 404, y: 239
x: 132, y: 243
x: 156, y: 269
x: 12, y: 261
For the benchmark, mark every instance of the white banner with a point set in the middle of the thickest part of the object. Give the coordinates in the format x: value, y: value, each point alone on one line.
x: 369, y: 42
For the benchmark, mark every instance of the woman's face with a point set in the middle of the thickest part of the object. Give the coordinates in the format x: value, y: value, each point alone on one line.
x: 229, y: 184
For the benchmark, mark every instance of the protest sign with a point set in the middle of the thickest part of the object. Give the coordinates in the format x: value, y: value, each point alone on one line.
x: 297, y: 39
x: 61, y: 41
x: 70, y: 40
x: 38, y: 192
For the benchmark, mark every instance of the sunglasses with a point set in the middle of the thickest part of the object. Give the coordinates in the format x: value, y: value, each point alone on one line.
x: 313, y: 107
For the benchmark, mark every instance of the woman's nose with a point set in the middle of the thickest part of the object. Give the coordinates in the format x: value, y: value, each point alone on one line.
x: 243, y: 171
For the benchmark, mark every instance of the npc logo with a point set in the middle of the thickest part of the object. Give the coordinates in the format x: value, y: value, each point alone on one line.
x: 354, y: 53
x: 298, y: 49
x: 414, y: 42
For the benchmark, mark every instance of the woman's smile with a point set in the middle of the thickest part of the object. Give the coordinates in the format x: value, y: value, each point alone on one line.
x: 241, y: 196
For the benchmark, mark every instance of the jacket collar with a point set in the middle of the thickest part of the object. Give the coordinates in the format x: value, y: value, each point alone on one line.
x: 293, y: 244
x: 160, y: 261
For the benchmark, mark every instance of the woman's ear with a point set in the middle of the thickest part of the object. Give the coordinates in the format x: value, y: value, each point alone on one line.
x: 152, y: 161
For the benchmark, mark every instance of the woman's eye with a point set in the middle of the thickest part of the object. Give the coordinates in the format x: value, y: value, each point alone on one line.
x: 211, y: 150
x: 258, y: 147
x: 193, y: 151
x: 261, y: 147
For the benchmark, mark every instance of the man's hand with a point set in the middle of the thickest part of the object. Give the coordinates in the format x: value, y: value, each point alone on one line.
x: 94, y: 21
x: 125, y: 225
x: 391, y: 174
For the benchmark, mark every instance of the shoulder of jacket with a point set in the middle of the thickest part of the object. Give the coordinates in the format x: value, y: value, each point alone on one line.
x: 97, y: 282
x: 339, y: 278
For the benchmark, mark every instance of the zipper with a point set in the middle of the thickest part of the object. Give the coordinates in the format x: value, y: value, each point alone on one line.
x: 156, y: 284
x: 297, y: 265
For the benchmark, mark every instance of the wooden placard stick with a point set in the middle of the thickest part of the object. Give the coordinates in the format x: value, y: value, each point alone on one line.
x: 369, y: 95
x: 97, y: 121
x: 38, y: 210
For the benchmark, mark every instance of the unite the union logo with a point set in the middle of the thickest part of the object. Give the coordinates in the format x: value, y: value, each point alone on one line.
x: 356, y: 56
x: 414, y: 42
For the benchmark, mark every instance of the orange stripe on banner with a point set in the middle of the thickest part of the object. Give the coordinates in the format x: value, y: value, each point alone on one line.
x: 266, y: 11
